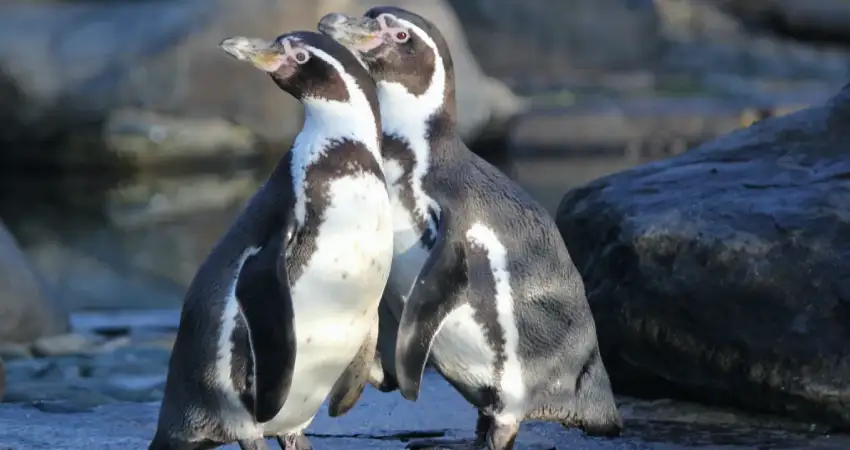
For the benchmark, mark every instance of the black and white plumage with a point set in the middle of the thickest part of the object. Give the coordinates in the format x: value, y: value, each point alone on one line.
x: 482, y: 284
x: 283, y: 312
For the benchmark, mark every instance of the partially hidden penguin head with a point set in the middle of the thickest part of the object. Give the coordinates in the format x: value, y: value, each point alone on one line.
x: 399, y: 48
x: 305, y: 64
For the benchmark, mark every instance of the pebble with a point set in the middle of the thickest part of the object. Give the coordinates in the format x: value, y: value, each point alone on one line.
x: 75, y: 372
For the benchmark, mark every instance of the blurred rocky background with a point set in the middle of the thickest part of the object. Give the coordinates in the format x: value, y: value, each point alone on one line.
x: 716, y: 268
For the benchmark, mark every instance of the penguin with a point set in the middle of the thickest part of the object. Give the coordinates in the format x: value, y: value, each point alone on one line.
x: 482, y: 285
x: 283, y: 312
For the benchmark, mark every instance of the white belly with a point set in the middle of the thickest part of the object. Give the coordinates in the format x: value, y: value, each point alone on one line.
x: 460, y: 350
x: 336, y: 298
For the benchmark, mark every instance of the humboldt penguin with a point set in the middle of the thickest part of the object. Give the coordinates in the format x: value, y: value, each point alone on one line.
x: 482, y: 285
x: 283, y: 313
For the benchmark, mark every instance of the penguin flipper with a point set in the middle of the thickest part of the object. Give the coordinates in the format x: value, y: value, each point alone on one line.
x: 266, y: 303
x: 428, y: 305
x: 349, y: 387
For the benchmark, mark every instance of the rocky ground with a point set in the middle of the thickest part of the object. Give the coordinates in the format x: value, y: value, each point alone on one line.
x: 100, y: 389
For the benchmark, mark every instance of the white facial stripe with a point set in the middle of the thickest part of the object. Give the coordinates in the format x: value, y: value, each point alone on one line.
x: 329, y: 120
x: 406, y: 116
x: 434, y: 96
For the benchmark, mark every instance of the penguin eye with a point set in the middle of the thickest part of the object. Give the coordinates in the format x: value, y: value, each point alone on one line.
x: 301, y: 57
x: 401, y: 36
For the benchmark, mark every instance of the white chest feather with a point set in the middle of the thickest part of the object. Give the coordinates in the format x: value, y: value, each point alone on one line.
x: 336, y: 298
x: 406, y: 116
x: 326, y: 121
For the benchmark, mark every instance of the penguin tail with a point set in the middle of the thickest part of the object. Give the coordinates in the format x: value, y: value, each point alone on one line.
x: 598, y: 413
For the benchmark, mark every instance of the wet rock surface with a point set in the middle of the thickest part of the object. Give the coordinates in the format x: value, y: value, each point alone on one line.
x: 28, y: 310
x: 107, y: 397
x: 720, y: 274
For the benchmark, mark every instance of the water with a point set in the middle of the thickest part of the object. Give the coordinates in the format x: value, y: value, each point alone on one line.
x: 106, y: 241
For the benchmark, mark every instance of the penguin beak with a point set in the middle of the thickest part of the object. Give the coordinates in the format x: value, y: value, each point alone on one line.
x: 361, y: 33
x: 260, y: 53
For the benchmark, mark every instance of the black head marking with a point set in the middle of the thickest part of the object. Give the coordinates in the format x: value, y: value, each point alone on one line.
x: 393, y: 44
x: 302, y: 63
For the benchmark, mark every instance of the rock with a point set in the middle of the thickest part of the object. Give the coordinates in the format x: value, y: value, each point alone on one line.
x: 147, y: 138
x: 61, y: 345
x: 27, y: 309
x: 692, y: 19
x: 720, y: 274
x: 821, y: 20
x: 126, y: 321
x: 12, y: 350
x: 541, y: 39
x: 162, y: 57
x: 92, y: 272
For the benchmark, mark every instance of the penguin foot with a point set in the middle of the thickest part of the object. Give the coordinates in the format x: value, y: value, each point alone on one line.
x: 295, y: 441
x: 443, y: 444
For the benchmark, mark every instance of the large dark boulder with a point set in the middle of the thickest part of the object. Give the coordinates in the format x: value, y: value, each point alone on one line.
x: 723, y: 274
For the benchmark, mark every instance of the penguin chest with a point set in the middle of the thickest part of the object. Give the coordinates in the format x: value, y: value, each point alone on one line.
x: 336, y: 297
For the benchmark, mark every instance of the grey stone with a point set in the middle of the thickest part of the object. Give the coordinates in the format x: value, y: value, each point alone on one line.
x: 692, y: 19
x: 27, y: 309
x: 825, y: 20
x: 721, y: 274
x: 64, y: 65
x: 541, y: 38
x: 126, y: 320
x: 149, y: 139
x: 63, y: 344
x: 12, y: 350
x: 131, y: 361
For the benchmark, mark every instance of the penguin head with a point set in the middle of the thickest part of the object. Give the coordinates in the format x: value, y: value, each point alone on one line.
x: 305, y: 64
x: 400, y: 48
